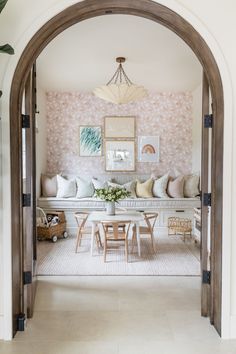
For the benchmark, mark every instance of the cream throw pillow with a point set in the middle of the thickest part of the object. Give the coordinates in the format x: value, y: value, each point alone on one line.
x: 130, y: 187
x: 160, y: 187
x: 98, y: 184
x: 84, y: 189
x: 66, y: 188
x: 144, y: 190
x: 175, y: 187
x: 191, y: 186
x: 49, y: 186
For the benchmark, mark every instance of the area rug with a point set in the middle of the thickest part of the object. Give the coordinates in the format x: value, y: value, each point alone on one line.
x: 172, y: 257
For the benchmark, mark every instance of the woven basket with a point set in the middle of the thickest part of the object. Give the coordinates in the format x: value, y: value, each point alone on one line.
x: 48, y: 231
x: 179, y: 225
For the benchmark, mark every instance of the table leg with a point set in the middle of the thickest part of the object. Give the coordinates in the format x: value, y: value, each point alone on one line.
x: 138, y: 238
x: 92, y: 236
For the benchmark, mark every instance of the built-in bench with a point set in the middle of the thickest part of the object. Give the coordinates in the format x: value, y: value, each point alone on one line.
x: 166, y: 207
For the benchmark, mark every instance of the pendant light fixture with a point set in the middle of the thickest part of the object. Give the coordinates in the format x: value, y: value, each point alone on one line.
x: 120, y: 89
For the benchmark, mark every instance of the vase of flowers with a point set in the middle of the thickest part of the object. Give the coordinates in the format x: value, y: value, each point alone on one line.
x: 110, y: 208
x: 111, y: 196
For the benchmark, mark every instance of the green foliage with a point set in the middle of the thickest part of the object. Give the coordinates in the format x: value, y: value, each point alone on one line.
x: 90, y: 139
x: 6, y: 48
x: 111, y: 194
x: 2, y: 4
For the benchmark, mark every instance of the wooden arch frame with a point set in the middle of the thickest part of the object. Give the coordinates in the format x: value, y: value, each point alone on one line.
x: 163, y: 15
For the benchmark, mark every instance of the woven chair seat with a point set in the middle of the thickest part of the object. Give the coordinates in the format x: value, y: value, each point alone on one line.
x: 142, y: 229
x: 88, y: 230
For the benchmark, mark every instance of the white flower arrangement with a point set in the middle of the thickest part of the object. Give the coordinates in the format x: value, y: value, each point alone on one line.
x: 111, y: 194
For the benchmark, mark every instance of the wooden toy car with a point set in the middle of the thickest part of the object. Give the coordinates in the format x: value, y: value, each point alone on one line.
x: 47, y: 230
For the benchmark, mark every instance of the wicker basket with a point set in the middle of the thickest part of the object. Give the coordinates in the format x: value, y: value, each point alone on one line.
x: 45, y: 231
x: 179, y: 226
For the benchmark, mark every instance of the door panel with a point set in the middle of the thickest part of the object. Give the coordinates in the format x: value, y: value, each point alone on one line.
x: 205, y: 290
x: 216, y: 222
x: 24, y: 245
x: 29, y: 213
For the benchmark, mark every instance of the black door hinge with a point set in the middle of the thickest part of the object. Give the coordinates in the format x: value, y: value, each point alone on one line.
x: 207, y: 199
x: 27, y: 278
x: 21, y: 322
x: 206, y: 277
x: 25, y: 121
x: 26, y: 200
x: 208, y: 120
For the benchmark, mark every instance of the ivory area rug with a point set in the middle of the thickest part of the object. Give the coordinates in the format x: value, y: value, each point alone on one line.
x: 172, y: 257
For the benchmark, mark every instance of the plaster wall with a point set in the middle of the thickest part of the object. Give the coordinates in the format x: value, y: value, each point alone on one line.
x: 167, y: 115
x: 21, y: 19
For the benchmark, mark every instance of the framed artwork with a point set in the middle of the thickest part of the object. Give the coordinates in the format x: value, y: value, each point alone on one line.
x: 149, y: 148
x: 90, y: 140
x: 118, y: 127
x: 120, y: 155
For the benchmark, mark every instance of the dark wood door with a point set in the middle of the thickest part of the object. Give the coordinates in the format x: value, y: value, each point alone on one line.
x: 206, y: 303
x: 29, y: 186
x: 24, y: 279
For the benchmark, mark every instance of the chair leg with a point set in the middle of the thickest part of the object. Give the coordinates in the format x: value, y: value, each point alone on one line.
x: 99, y: 239
x: 105, y: 249
x: 126, y: 249
x: 152, y: 239
x: 96, y: 240
x: 133, y: 238
x: 78, y: 241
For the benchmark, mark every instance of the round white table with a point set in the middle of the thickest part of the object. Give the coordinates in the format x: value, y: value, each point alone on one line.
x: 95, y: 217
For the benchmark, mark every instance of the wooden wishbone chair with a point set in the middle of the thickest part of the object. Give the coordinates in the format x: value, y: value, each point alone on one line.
x: 150, y: 219
x: 116, y: 231
x: 81, y: 218
x: 121, y: 226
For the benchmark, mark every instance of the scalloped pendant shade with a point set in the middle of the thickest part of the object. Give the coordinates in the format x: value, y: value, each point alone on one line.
x: 120, y: 89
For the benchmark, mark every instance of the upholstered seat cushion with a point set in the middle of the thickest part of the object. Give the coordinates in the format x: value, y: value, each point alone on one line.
x: 129, y: 203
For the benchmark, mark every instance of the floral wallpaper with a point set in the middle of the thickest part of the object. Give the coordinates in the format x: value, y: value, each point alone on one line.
x: 168, y: 115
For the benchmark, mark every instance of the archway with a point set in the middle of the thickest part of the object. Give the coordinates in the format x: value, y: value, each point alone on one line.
x: 158, y: 13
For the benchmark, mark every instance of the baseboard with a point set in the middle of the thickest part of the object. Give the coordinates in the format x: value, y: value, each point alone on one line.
x: 1, y: 328
x: 233, y: 327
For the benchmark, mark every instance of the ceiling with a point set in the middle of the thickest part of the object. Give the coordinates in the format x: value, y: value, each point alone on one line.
x: 83, y: 56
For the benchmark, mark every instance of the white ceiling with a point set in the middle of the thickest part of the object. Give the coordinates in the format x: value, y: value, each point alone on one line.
x: 83, y: 56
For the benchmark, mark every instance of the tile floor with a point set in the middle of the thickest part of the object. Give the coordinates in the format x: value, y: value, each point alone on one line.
x: 118, y: 315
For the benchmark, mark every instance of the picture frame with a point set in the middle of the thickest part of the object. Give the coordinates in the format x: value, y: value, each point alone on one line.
x: 119, y: 127
x: 90, y: 140
x: 149, y: 149
x: 120, y: 155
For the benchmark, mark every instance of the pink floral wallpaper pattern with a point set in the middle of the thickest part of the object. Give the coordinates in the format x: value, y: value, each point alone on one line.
x: 168, y: 115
